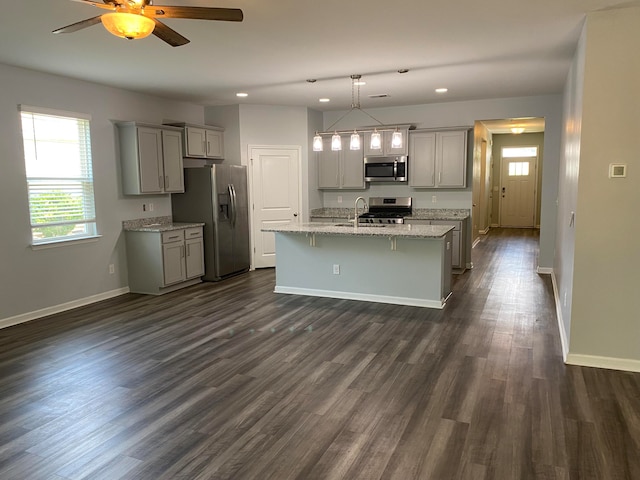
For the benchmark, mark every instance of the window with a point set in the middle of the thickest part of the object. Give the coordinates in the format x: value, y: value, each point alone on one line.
x: 518, y: 169
x: 514, y: 152
x: 57, y: 155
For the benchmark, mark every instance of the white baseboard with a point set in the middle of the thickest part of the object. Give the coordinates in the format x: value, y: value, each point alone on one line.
x: 495, y: 225
x: 475, y: 242
x: 414, y: 302
x: 485, y: 231
x: 63, y: 307
x: 564, y: 341
x: 596, y: 361
x: 544, y: 270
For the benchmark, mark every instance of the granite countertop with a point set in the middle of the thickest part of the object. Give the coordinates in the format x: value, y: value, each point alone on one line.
x: 416, y: 214
x: 380, y: 230
x: 156, y: 224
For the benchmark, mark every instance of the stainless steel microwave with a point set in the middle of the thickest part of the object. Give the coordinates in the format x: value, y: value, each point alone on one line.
x: 385, y: 169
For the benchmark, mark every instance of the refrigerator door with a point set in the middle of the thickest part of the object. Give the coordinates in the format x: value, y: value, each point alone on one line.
x: 223, y: 221
x: 240, y: 216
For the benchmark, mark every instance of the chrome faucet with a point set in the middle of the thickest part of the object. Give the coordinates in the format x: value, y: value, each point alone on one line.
x: 355, y: 210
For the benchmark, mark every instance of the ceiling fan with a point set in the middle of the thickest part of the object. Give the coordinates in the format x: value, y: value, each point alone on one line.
x: 139, y: 18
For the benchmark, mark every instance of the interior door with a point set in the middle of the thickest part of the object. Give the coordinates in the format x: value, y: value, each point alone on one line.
x: 517, y: 192
x: 275, y: 195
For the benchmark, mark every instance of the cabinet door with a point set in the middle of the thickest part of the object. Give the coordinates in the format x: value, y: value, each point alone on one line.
x: 351, y: 165
x: 150, y: 160
x: 422, y: 159
x: 172, y: 161
x: 196, y: 142
x: 194, y: 261
x: 451, y: 159
x: 328, y: 166
x: 456, y: 247
x: 173, y: 262
x: 215, y: 145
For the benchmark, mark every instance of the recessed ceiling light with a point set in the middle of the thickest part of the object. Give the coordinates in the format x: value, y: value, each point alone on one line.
x: 324, y: 100
x: 403, y: 70
x: 242, y: 94
x: 442, y: 90
x: 311, y: 80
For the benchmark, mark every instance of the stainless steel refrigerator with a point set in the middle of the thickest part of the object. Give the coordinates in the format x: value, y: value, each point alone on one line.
x: 217, y: 196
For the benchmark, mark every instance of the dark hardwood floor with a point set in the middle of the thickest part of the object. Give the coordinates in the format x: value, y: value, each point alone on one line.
x: 230, y: 381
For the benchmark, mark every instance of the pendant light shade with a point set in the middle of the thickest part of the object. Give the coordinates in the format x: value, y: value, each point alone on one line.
x: 396, y: 139
x: 317, y: 143
x: 355, y: 141
x: 376, y: 140
x: 128, y: 25
x: 336, y: 142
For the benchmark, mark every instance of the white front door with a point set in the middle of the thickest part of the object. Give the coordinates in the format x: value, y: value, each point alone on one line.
x: 275, y: 188
x: 518, y: 191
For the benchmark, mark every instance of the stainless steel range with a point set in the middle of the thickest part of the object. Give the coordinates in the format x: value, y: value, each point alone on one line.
x: 386, y: 210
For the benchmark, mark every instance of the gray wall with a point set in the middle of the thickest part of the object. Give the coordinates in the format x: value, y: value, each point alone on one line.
x: 32, y: 280
x: 598, y: 266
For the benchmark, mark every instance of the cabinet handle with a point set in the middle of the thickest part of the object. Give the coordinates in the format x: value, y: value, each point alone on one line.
x: 160, y: 181
x: 182, y: 250
x: 208, y: 148
x: 204, y: 146
x: 166, y: 181
x: 439, y: 178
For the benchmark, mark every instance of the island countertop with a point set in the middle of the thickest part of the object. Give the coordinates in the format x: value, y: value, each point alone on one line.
x: 399, y: 231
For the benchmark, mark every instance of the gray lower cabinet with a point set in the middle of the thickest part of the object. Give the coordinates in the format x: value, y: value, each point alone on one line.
x: 160, y: 262
x: 457, y: 246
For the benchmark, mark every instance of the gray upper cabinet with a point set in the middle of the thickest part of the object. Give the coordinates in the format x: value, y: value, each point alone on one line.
x: 386, y: 148
x: 438, y: 159
x: 341, y: 169
x: 202, y: 142
x: 151, y: 158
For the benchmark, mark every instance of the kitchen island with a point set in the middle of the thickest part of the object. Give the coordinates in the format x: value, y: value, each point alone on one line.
x: 397, y: 264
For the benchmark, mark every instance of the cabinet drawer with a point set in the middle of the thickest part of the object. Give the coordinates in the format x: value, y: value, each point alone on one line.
x: 195, y: 232
x: 172, y: 236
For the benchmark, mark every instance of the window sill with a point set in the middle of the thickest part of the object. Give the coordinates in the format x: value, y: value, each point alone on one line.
x: 65, y: 242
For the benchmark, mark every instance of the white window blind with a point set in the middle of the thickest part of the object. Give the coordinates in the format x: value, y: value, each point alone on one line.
x: 57, y: 151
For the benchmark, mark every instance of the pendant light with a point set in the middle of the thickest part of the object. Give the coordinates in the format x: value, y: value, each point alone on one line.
x: 355, y: 141
x: 396, y: 139
x: 317, y: 143
x: 376, y: 140
x: 336, y: 142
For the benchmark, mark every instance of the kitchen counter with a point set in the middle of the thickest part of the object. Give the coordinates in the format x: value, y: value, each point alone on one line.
x: 156, y: 224
x: 374, y: 230
x: 397, y: 264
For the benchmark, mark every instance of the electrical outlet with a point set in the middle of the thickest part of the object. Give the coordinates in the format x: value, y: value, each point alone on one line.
x: 336, y: 269
x: 565, y: 299
x: 339, y: 198
x: 112, y: 269
x: 434, y: 199
x: 151, y: 207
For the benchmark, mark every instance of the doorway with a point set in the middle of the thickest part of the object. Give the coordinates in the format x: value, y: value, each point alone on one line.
x: 518, y: 175
x: 274, y: 182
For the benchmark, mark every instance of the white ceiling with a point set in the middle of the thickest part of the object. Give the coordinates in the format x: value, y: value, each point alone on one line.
x: 489, y: 49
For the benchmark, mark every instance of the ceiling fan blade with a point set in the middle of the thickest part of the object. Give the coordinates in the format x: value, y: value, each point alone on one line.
x: 198, y: 13
x: 105, y: 5
x: 168, y: 35
x: 74, y: 27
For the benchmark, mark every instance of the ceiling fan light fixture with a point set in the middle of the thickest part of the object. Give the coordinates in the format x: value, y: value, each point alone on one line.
x: 128, y: 25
